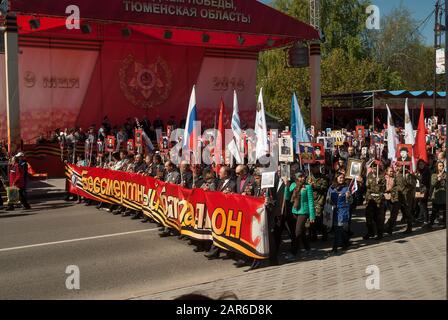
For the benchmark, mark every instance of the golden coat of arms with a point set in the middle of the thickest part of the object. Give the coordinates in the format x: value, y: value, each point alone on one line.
x: 145, y: 86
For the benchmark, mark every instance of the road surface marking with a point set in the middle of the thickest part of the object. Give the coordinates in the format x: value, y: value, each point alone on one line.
x: 76, y: 240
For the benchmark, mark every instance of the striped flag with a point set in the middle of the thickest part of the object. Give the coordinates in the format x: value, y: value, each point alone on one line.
x: 190, y: 134
x: 235, y: 145
x: 353, y: 186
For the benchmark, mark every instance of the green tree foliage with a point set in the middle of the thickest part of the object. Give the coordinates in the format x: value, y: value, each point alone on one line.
x: 399, y: 47
x: 353, y: 58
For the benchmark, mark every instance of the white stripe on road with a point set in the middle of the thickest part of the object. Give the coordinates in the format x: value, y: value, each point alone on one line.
x: 76, y: 240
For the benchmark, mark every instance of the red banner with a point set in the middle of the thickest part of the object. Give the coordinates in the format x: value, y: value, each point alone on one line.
x: 233, y: 222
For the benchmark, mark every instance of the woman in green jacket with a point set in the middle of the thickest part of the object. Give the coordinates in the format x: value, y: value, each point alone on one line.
x: 301, y: 196
x: 438, y: 194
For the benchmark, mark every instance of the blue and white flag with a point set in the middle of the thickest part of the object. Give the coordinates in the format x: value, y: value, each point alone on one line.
x: 236, y: 144
x: 298, y: 128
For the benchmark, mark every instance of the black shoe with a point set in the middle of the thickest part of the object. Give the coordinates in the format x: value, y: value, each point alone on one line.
x: 10, y: 209
x: 116, y: 212
x: 274, y: 262
x: 367, y: 237
x: 197, y: 249
x: 407, y: 231
x: 228, y: 256
x: 212, y: 256
x: 379, y: 237
x: 135, y: 217
x: 255, y: 265
x: 347, y: 245
x: 334, y: 251
x: 27, y: 208
x: 164, y: 234
x: 240, y: 263
x: 145, y: 220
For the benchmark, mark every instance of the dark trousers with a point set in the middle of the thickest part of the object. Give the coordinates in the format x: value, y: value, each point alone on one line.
x: 318, y: 227
x: 421, y: 209
x: 375, y: 217
x: 395, y: 208
x: 436, y: 210
x: 301, y: 240
x: 287, y: 221
x: 340, y: 237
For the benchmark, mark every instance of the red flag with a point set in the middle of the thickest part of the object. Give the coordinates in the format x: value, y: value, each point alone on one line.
x: 220, y: 145
x: 420, y: 152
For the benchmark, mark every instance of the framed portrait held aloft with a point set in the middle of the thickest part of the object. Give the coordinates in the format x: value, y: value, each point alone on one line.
x: 354, y: 169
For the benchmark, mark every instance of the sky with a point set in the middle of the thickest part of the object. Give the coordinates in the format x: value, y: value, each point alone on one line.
x: 420, y: 9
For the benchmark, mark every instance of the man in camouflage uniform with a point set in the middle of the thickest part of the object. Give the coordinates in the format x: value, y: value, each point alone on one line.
x: 406, y: 185
x: 375, y: 215
x: 319, y: 183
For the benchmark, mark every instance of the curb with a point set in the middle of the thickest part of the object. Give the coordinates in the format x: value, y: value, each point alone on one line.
x: 47, y: 196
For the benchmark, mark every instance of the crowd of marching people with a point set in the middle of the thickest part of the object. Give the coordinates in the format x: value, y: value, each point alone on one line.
x: 297, y: 205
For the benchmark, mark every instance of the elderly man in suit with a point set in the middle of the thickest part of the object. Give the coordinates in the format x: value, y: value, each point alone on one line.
x: 173, y: 177
x: 244, y: 179
x: 226, y: 185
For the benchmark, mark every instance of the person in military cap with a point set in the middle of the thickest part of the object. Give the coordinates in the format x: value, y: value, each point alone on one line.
x: 404, y: 155
x: 319, y: 183
x: 375, y: 215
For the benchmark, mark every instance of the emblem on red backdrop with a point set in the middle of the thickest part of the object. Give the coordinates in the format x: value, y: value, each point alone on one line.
x: 138, y: 138
x: 110, y: 144
x: 145, y: 85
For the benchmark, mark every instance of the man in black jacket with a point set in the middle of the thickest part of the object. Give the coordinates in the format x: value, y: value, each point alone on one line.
x: 244, y: 179
x: 226, y: 185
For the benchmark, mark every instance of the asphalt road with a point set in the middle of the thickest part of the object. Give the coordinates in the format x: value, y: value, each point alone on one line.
x: 118, y: 258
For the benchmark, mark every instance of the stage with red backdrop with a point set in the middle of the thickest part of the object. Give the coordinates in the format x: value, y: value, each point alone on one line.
x: 137, y: 58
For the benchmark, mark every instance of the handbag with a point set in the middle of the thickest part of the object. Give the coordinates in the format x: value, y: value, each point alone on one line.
x: 328, y: 212
x: 12, y: 194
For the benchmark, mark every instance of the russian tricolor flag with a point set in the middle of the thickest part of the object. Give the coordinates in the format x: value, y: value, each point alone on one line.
x: 190, y: 134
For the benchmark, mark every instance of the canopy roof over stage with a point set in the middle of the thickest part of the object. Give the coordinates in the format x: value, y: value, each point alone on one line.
x: 228, y: 24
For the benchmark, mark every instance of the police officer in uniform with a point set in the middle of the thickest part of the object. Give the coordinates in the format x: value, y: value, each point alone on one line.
x: 375, y: 215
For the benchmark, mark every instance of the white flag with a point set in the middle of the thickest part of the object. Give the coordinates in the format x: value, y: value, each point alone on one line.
x: 261, y: 129
x: 409, y: 137
x: 392, y: 139
x: 408, y: 130
x: 235, y: 146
